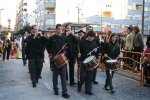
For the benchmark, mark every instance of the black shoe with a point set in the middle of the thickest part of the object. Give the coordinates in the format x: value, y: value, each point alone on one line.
x: 56, y: 93
x: 106, y: 88
x: 65, y: 95
x: 73, y: 84
x: 39, y: 76
x: 112, y: 91
x: 24, y: 64
x: 95, y: 82
x: 89, y: 93
x: 34, y: 85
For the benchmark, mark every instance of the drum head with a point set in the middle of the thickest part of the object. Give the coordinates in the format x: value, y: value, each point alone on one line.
x: 60, y: 55
x: 88, y: 59
x: 111, y: 61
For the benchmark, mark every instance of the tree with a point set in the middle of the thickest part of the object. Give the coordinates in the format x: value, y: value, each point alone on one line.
x: 25, y: 28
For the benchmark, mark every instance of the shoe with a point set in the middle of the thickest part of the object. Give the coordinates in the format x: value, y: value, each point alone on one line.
x: 39, y: 76
x: 95, y: 82
x: 24, y: 64
x: 56, y: 93
x: 34, y: 85
x: 106, y: 88
x: 65, y: 95
x: 112, y: 91
x: 89, y: 93
x: 73, y: 84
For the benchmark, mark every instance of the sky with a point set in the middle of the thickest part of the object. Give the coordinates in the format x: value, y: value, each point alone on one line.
x: 9, y: 11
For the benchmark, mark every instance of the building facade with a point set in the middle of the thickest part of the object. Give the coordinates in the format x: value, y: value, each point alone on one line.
x: 24, y: 13
x: 118, y: 14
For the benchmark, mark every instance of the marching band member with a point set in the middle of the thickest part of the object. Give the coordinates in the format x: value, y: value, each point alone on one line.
x: 86, y: 76
x: 73, y: 41
x: 96, y: 40
x: 110, y: 49
x: 54, y: 45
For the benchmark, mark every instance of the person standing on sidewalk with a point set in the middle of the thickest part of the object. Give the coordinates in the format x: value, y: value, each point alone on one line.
x: 23, y: 47
x: 55, y: 44
x: 7, y: 46
x: 35, y: 52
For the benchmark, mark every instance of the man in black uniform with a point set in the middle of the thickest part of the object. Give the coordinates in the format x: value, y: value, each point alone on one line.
x: 54, y: 45
x: 34, y: 50
x: 73, y: 41
x: 87, y: 45
x: 96, y: 40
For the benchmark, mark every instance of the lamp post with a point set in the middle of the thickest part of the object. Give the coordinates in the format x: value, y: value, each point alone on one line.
x: 78, y: 12
x: 9, y: 24
x: 143, y: 11
x: 35, y: 17
x: 0, y: 14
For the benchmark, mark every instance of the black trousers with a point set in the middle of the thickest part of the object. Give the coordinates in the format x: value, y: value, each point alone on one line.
x: 109, y: 77
x: 34, y: 66
x: 147, y: 73
x: 71, y: 70
x: 24, y: 56
x: 137, y: 57
x: 86, y: 77
x: 94, y: 75
x: 7, y: 49
x: 62, y: 71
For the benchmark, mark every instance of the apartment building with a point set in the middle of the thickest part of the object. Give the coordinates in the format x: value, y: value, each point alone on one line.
x: 116, y: 15
x: 24, y: 13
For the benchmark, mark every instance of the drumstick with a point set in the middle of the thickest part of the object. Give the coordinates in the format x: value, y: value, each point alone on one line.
x: 108, y: 57
x: 91, y: 52
x: 60, y: 50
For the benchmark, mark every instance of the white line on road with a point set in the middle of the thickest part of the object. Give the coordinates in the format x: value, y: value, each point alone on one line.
x: 47, y: 85
x: 81, y: 98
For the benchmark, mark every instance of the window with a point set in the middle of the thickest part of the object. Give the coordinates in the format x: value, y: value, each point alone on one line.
x: 138, y: 7
x: 109, y: 26
x: 117, y: 26
x: 49, y: 21
x: 145, y: 27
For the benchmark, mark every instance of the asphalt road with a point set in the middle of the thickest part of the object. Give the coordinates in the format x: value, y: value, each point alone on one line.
x: 15, y: 84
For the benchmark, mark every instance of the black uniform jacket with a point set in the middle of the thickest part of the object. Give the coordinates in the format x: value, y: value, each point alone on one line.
x: 86, y: 47
x: 55, y: 44
x: 73, y: 41
x: 111, y: 50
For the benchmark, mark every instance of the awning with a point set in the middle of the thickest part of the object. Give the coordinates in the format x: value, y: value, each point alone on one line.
x: 77, y: 25
x: 106, y: 29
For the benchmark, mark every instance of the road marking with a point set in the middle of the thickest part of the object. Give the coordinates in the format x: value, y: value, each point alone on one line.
x: 48, y: 86
x: 77, y: 94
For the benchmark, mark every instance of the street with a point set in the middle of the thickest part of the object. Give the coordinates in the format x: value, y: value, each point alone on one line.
x: 15, y: 84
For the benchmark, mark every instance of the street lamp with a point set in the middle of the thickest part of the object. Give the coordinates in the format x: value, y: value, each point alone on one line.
x: 9, y: 24
x: 0, y: 14
x: 35, y: 16
x: 78, y: 11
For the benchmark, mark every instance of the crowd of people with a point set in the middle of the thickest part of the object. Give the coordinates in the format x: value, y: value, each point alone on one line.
x: 65, y: 48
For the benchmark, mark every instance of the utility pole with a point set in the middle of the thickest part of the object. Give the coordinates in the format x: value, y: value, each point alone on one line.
x: 143, y: 12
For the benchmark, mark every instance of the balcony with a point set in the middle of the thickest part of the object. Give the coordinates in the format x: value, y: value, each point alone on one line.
x: 49, y: 16
x: 50, y: 4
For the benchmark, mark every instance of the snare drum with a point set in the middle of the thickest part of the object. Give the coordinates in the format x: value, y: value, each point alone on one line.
x: 60, y: 60
x: 111, y: 64
x: 91, y: 62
